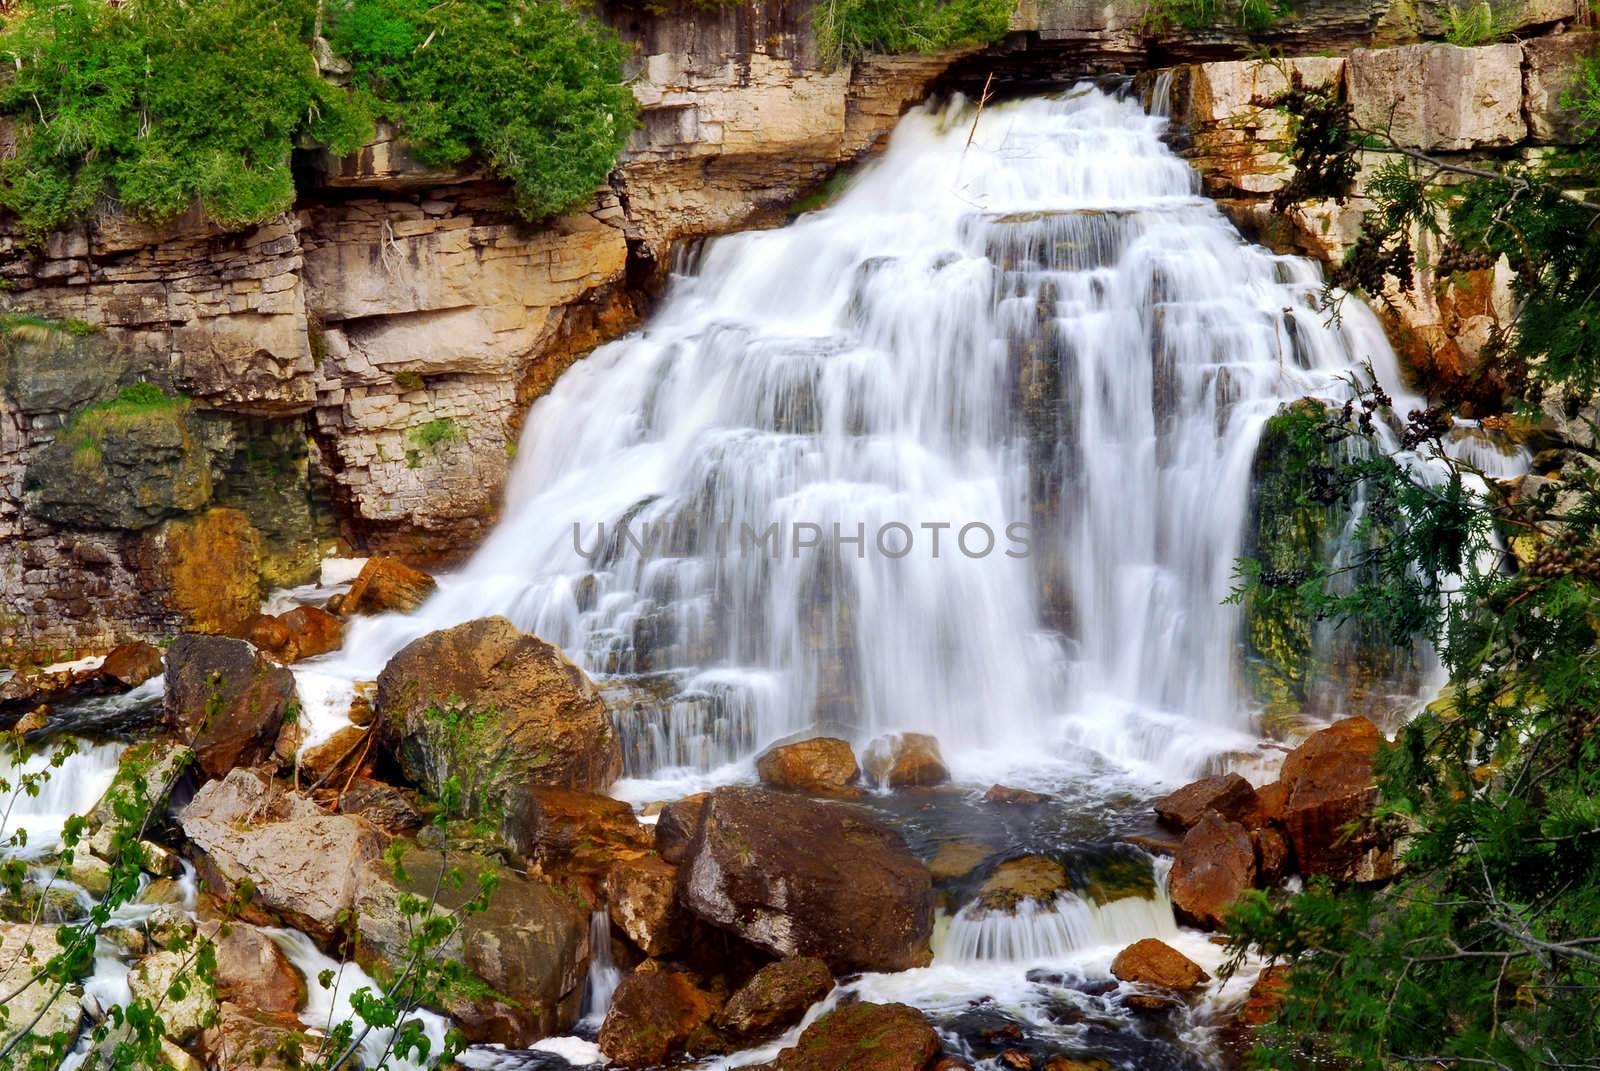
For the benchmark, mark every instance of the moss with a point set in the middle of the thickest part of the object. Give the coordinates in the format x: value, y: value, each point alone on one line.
x: 137, y: 406
x: 430, y: 438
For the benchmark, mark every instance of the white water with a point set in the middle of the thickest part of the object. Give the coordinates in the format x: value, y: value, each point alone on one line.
x: 604, y: 974
x: 880, y: 361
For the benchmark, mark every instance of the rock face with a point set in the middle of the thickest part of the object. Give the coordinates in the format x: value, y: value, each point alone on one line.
x: 652, y: 1014
x: 305, y: 865
x: 864, y: 1037
x: 248, y: 1039
x: 152, y: 978
x: 524, y: 716
x: 905, y: 760
x: 1153, y: 962
x: 530, y: 946
x: 1439, y: 97
x: 1215, y: 863
x: 642, y: 897
x: 824, y: 766
x: 774, y: 999
x: 227, y: 699
x: 1550, y: 69
x: 803, y: 878
x: 1329, y: 789
x: 577, y: 834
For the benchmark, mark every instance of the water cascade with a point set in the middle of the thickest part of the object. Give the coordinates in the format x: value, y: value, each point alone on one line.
x: 1043, y: 349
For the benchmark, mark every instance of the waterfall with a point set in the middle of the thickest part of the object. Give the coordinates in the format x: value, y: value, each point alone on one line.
x: 1036, y: 933
x: 1027, y: 327
x: 604, y: 974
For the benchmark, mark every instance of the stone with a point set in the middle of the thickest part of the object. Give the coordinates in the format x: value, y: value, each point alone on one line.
x: 1550, y: 70
x: 800, y: 877
x: 321, y: 761
x: 905, y: 760
x: 391, y: 809
x: 152, y: 979
x: 251, y: 970
x: 1439, y: 97
x: 1265, y: 997
x: 1156, y: 963
x: 1273, y: 859
x: 92, y: 875
x: 210, y: 565
x: 227, y: 699
x: 1228, y: 794
x: 248, y: 1039
x: 303, y: 632
x: 1215, y: 863
x: 1031, y: 877
x: 958, y: 859
x: 864, y: 1037
x: 774, y: 999
x: 1330, y: 786
x: 24, y: 950
x: 652, y: 1015
x: 642, y: 898
x: 530, y: 946
x: 676, y: 826
x: 1005, y: 794
x: 823, y: 766
x: 535, y: 719
x: 158, y: 763
x: 576, y: 833
x: 131, y: 664
x: 305, y: 866
x: 386, y: 585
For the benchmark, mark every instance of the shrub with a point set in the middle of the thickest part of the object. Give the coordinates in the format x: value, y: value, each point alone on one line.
x: 531, y: 86
x: 849, y: 29
x: 162, y: 103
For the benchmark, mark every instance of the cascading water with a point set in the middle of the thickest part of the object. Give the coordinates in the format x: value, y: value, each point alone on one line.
x: 1049, y: 327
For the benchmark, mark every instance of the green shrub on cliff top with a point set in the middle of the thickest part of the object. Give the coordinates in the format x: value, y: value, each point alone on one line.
x: 849, y: 29
x: 531, y: 86
x: 160, y: 104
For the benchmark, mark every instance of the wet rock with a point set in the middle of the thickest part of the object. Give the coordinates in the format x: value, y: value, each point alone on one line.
x: 1265, y: 997
x: 304, y: 865
x: 387, y: 585
x: 576, y: 833
x: 249, y: 1039
x: 530, y: 946
x: 1015, y: 1060
x: 1228, y: 794
x: 1032, y: 877
x: 824, y: 766
x: 1068, y: 1063
x: 958, y: 859
x: 1009, y: 795
x: 303, y: 632
x: 503, y: 710
x: 642, y: 897
x: 153, y: 978
x: 91, y: 875
x: 864, y: 1037
x: 905, y: 760
x: 653, y: 1013
x: 676, y: 826
x: 320, y: 762
x: 1329, y: 788
x: 1273, y: 862
x: 227, y: 699
x: 251, y: 970
x: 775, y: 998
x: 1215, y: 863
x: 1156, y: 963
x: 52, y: 903
x: 1155, y: 843
x: 391, y: 809
x: 131, y: 664
x: 800, y: 877
x: 146, y: 774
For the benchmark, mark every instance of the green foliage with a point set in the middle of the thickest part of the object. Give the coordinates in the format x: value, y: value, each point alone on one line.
x: 532, y: 87
x: 430, y: 438
x: 162, y: 103
x: 135, y: 404
x: 1252, y: 16
x: 849, y: 29
x: 27, y: 325
x: 1470, y: 23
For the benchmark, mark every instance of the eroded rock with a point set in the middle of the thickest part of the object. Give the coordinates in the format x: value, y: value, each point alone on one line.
x: 1228, y: 794
x: 1156, y: 963
x: 303, y: 632
x: 387, y: 585
x: 1329, y: 788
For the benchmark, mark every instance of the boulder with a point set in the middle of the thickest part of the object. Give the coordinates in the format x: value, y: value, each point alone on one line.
x: 153, y: 978
x: 824, y: 766
x: 801, y: 877
x: 386, y: 585
x: 1215, y: 863
x: 304, y: 865
x: 1228, y: 794
x: 226, y: 699
x: 503, y: 710
x: 652, y: 1014
x: 250, y: 1039
x: 1439, y: 97
x: 1032, y: 877
x: 1273, y: 862
x: 1156, y: 963
x: 676, y: 826
x: 303, y: 632
x: 1008, y: 795
x: 391, y: 809
x: 25, y: 948
x: 251, y: 969
x: 1265, y: 997
x: 575, y: 833
x: 958, y: 858
x: 1329, y: 788
x: 905, y: 760
x: 1550, y: 71
x: 320, y: 762
x: 642, y: 898
x: 774, y: 999
x: 146, y: 774
x: 131, y: 664
x: 864, y: 1037
x: 530, y: 947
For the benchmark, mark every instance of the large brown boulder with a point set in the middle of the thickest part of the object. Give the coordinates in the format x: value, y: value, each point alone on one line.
x: 1228, y: 794
x: 1215, y: 863
x: 864, y: 1037
x: 642, y: 899
x: 385, y: 585
x: 303, y: 865
x: 530, y: 946
x: 1329, y: 788
x: 251, y: 970
x: 1266, y: 997
x: 1153, y: 962
x: 801, y: 877
x: 905, y: 760
x: 1031, y: 877
x: 652, y: 1014
x: 227, y: 699
x: 676, y: 826
x: 774, y: 999
x: 303, y: 632
x: 823, y: 766
x: 500, y: 709
x: 131, y: 664
x: 578, y: 834
x: 253, y: 1039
